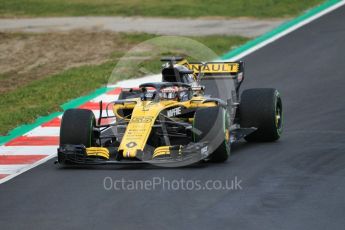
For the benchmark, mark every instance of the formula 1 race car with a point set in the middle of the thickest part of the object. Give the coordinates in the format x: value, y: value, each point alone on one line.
x: 194, y: 114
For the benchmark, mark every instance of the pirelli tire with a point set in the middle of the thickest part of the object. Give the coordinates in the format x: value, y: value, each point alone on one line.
x: 212, y: 125
x: 262, y: 108
x: 77, y: 127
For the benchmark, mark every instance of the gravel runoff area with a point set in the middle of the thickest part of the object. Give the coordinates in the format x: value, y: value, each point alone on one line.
x: 188, y: 27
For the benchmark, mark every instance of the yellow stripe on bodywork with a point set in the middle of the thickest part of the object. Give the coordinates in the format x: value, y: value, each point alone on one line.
x: 163, y: 150
x: 98, y: 152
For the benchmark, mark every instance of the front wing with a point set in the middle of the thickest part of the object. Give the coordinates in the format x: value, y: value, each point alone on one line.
x: 77, y: 155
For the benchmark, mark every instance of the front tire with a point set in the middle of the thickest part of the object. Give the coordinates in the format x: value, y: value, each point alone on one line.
x: 262, y: 109
x: 77, y: 127
x: 211, y: 124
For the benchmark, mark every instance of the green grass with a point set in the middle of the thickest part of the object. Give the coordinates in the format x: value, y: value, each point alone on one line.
x: 42, y: 97
x: 162, y: 8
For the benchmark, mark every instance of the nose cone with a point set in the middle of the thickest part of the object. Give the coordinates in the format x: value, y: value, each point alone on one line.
x: 130, y: 153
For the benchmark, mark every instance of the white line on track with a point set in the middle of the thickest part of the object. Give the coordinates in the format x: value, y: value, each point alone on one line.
x: 11, y: 169
x: 96, y: 113
x: 106, y: 98
x: 44, y: 131
x: 19, y: 169
x: 27, y: 150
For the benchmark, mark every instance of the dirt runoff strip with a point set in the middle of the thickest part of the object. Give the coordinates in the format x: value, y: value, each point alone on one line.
x: 27, y: 57
x: 242, y: 26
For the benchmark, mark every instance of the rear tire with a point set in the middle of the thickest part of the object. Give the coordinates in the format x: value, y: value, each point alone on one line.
x: 212, y: 125
x: 77, y: 127
x: 262, y: 109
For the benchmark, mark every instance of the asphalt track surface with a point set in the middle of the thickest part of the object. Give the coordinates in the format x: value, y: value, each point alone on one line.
x: 295, y: 183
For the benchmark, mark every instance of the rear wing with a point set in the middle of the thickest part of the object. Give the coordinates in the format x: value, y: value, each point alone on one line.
x: 216, y: 68
x: 218, y: 76
x: 212, y: 69
x: 221, y: 79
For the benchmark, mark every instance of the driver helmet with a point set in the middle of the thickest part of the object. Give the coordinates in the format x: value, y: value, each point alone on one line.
x: 169, y: 93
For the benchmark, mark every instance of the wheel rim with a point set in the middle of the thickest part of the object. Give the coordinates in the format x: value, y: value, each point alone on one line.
x: 279, y: 116
x: 227, y: 135
x: 227, y: 131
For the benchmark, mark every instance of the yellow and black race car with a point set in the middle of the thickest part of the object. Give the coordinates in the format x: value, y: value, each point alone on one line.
x: 194, y: 114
